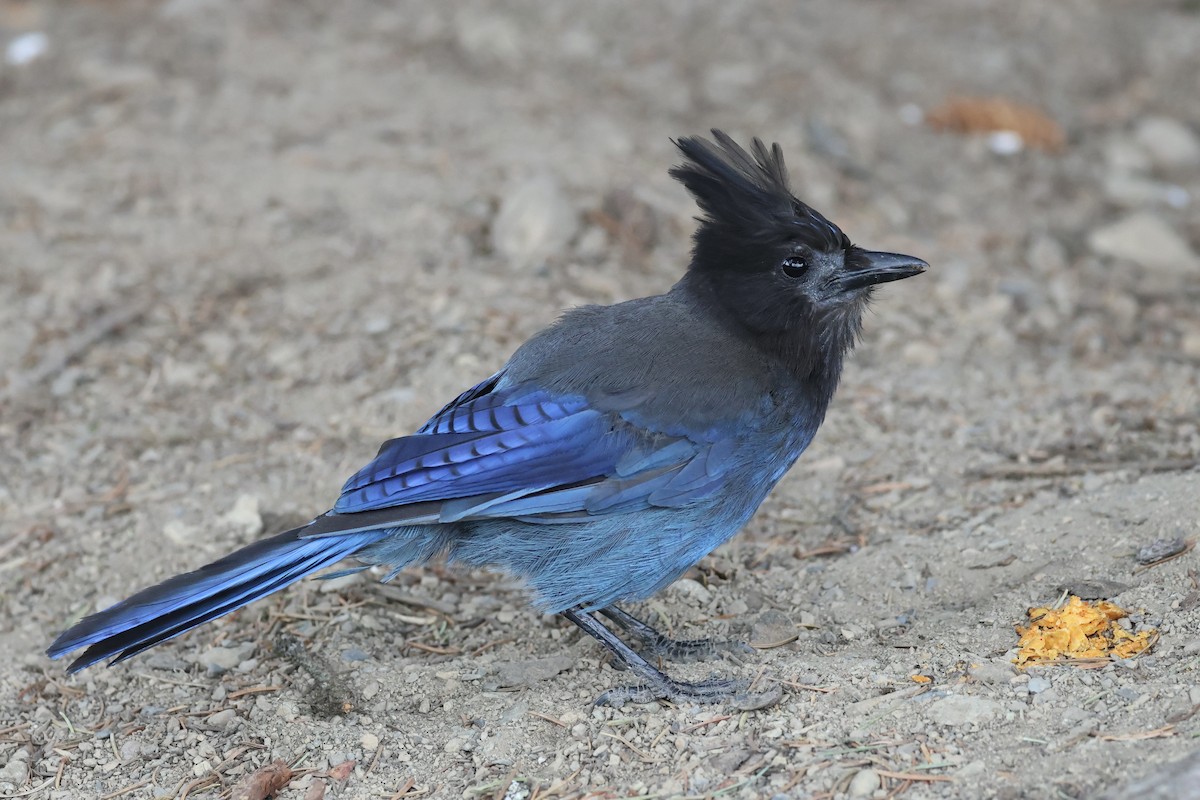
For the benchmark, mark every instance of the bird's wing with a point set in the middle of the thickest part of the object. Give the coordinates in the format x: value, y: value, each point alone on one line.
x: 527, y: 454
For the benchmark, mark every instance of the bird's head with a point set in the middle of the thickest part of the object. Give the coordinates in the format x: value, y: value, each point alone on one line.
x: 776, y: 265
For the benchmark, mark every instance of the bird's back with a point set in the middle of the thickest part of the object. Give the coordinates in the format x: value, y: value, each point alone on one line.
x: 667, y: 362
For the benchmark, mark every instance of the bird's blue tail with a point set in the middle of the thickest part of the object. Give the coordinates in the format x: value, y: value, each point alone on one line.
x: 161, y: 612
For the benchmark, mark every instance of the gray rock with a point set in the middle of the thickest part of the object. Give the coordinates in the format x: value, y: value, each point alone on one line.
x: 1189, y: 342
x: 219, y: 345
x: 223, y: 659
x: 727, y: 83
x: 180, y: 9
x: 1159, y: 549
x: 222, y: 719
x: 531, y: 671
x: 164, y: 660
x: 116, y: 78
x: 728, y: 761
x: 1037, y: 685
x: 1147, y: 241
x: 1092, y: 589
x: 693, y: 590
x: 535, y: 220
x: 1047, y: 255
x: 488, y: 39
x: 1005, y: 143
x: 244, y: 516
x: 1121, y: 154
x: 1176, y: 781
x: 135, y: 748
x: 771, y: 627
x: 335, y: 585
x: 67, y: 380
x: 179, y: 532
x: 993, y: 672
x: 864, y: 783
x: 1168, y: 142
x: 1132, y: 191
x: 957, y: 710
x: 15, y: 773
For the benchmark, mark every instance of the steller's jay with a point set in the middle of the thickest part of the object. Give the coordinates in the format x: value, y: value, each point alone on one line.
x: 613, y: 451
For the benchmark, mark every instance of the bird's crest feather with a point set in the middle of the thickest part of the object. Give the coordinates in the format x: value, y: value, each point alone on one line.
x: 729, y: 183
x: 746, y: 200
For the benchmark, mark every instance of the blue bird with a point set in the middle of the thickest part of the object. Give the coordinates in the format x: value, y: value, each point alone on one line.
x: 613, y: 451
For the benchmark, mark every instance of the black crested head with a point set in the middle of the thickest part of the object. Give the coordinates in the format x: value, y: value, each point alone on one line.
x: 749, y: 208
x: 777, y: 266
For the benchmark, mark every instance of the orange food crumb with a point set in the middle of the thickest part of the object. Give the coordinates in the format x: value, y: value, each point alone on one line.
x: 922, y: 678
x: 1078, y: 630
x: 984, y: 114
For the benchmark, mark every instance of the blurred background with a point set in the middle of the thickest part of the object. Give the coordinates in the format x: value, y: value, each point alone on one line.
x: 241, y: 243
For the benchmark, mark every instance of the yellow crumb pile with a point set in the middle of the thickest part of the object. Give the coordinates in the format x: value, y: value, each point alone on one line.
x: 1078, y: 630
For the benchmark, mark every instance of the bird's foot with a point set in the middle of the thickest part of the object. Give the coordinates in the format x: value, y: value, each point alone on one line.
x: 713, y: 690
x: 687, y: 650
x: 656, y: 685
x: 653, y: 643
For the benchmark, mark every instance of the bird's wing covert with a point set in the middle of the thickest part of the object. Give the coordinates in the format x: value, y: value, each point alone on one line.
x: 528, y: 454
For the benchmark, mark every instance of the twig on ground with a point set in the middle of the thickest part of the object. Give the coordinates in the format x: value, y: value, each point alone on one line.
x: 1062, y: 470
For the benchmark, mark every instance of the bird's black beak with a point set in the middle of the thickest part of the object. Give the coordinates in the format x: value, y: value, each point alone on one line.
x: 871, y: 268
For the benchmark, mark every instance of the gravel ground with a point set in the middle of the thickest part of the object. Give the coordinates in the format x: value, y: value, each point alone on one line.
x: 243, y: 243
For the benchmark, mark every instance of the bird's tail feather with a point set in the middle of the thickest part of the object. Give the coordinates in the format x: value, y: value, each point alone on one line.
x: 181, y: 603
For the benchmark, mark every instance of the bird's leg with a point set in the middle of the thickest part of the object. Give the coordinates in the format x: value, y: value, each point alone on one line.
x: 658, y: 644
x: 656, y: 685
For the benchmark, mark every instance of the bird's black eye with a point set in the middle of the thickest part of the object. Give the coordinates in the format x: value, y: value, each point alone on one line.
x: 795, y: 266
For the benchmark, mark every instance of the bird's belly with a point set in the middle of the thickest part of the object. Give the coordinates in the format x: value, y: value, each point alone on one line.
x: 618, y: 557
x: 629, y: 556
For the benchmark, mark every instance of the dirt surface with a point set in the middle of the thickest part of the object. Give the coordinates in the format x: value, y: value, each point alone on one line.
x: 243, y: 243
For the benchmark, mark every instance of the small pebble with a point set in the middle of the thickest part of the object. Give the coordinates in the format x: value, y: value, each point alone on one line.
x: 220, y: 659
x: 956, y: 710
x: 1005, y: 143
x: 864, y: 783
x: 1169, y: 142
x: 1160, y: 549
x: 222, y: 719
x: 535, y: 220
x: 694, y: 590
x: 244, y: 517
x: 26, y: 48
x: 1126, y: 240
